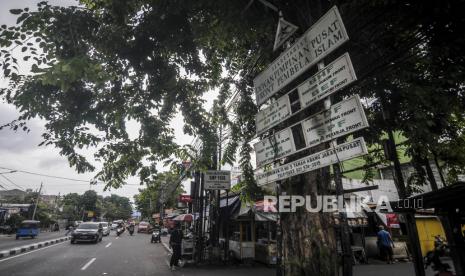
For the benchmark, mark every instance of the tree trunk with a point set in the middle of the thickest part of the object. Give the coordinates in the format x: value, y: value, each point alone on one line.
x: 308, y: 239
x: 309, y: 243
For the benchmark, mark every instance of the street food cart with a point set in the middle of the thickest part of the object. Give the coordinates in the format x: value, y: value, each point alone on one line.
x: 266, y: 250
x: 242, y: 242
x: 265, y: 228
x: 187, y: 246
x: 256, y: 238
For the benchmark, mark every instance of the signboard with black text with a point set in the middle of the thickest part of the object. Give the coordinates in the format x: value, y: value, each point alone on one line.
x: 319, y: 40
x: 340, y: 119
x: 318, y: 160
x: 217, y: 180
x: 279, y: 145
x: 332, y: 78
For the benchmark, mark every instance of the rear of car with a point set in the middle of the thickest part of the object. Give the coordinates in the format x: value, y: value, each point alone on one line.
x: 144, y: 227
x: 114, y: 226
x: 106, y: 228
x: 115, y: 223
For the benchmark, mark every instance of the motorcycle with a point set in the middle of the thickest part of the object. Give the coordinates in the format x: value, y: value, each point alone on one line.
x: 119, y: 231
x: 433, y: 258
x: 156, y: 237
x: 131, y: 231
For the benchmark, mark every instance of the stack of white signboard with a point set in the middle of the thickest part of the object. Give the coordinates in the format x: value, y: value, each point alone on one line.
x: 340, y: 119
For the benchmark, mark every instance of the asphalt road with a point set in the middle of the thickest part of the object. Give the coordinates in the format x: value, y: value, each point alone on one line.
x: 125, y: 255
x: 9, y: 241
x: 135, y: 255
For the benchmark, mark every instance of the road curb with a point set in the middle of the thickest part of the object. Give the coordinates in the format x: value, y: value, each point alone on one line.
x: 29, y: 247
x: 167, y: 247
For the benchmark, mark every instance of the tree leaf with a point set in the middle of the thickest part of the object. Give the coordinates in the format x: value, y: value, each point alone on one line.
x: 22, y: 17
x: 16, y: 11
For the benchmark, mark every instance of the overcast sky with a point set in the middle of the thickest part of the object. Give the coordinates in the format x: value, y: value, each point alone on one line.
x: 20, y: 150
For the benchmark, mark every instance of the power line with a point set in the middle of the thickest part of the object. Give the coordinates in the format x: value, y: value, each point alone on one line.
x: 9, y: 180
x: 1, y: 185
x: 60, y: 177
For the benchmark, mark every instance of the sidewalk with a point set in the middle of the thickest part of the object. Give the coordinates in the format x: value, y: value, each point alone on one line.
x: 375, y: 267
x: 379, y: 268
x: 255, y: 269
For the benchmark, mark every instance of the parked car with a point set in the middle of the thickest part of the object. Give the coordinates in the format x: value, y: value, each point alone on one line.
x: 88, y: 231
x: 106, y: 228
x: 164, y: 231
x: 144, y: 227
x: 114, y: 226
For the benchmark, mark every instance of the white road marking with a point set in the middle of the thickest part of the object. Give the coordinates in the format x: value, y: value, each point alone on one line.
x: 108, y: 245
x: 32, y: 251
x: 167, y: 263
x: 117, y: 238
x: 88, y: 264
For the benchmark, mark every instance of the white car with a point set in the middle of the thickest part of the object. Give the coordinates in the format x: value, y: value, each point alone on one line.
x: 106, y: 228
x: 114, y: 226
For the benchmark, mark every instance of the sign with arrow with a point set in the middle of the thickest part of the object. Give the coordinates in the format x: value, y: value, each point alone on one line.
x: 283, y: 32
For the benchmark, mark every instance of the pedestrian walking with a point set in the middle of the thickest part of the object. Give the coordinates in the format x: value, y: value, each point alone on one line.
x: 385, y: 245
x: 70, y: 229
x: 175, y: 245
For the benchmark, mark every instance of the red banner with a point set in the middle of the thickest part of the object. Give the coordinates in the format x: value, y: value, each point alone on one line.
x: 185, y: 198
x: 392, y: 221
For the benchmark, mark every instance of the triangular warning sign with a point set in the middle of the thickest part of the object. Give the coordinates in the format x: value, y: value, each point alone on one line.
x: 284, y: 31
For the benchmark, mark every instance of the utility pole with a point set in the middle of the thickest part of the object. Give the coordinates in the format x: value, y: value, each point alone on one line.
x: 37, y: 202
x: 57, y: 198
x: 391, y: 150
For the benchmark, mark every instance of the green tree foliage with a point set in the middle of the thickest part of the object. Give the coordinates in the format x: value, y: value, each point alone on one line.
x: 72, y: 207
x: 76, y: 207
x: 90, y: 202
x: 163, y: 191
x: 99, y: 65
x: 116, y: 207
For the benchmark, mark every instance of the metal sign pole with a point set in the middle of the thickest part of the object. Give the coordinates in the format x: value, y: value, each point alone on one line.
x: 226, y: 244
x: 279, y: 234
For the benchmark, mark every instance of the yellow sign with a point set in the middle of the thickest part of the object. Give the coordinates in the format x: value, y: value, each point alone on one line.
x: 90, y: 214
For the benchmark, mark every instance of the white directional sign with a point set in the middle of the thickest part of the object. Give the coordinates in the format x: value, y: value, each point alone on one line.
x: 274, y: 147
x: 217, y: 180
x: 340, y: 119
x: 319, y: 40
x: 335, y: 76
x: 315, y: 161
x: 273, y: 114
